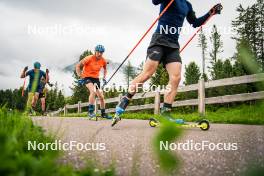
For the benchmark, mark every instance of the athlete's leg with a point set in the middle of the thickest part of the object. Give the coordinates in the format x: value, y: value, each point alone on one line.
x: 91, y: 89
x: 35, y: 99
x: 29, y: 100
x: 149, y: 69
x: 43, y: 104
x: 174, y: 71
x: 90, y: 86
x: 100, y: 95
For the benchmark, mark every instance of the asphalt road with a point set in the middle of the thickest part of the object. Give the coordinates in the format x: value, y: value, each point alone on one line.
x: 128, y: 146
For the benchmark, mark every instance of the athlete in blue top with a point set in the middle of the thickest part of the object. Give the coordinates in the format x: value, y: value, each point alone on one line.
x: 164, y: 48
x: 34, y: 86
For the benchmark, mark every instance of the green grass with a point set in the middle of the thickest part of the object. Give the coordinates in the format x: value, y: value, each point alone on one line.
x: 15, y: 159
x: 243, y: 114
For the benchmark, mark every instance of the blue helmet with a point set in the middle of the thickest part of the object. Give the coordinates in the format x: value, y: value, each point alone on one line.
x: 100, y: 48
x: 37, y: 65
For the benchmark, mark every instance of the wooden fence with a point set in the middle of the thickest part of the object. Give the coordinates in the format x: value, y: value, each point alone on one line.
x: 201, y: 101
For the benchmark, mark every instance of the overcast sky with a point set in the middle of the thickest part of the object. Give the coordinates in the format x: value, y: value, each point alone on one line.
x: 56, y: 32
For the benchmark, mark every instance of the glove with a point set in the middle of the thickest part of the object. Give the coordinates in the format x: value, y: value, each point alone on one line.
x: 104, y: 82
x: 216, y: 9
x: 81, y: 82
x: 26, y: 68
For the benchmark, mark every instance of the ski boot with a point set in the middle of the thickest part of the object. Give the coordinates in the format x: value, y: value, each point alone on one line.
x: 120, y: 109
x: 91, y: 114
x: 117, y: 117
x: 166, y: 112
x: 106, y: 116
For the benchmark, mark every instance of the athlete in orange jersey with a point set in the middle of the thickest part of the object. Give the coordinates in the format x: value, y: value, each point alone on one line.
x: 90, y: 77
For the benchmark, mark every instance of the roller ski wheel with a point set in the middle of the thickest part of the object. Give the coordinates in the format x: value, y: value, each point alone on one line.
x: 204, y: 125
x: 153, y: 122
x: 115, y: 120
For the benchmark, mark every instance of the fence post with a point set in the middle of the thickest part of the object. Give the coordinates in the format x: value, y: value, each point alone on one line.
x: 157, y: 103
x: 79, y: 107
x: 96, y: 106
x: 201, y: 97
x: 120, y: 97
x: 65, y: 110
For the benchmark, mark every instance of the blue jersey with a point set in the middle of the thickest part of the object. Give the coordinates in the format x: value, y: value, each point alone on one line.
x: 34, y: 79
x: 175, y: 15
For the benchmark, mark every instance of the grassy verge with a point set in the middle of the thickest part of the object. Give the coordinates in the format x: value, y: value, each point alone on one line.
x: 15, y: 158
x: 243, y: 114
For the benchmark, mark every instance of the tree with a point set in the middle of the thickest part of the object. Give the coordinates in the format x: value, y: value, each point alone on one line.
x: 228, y: 69
x: 51, y: 98
x: 12, y: 99
x: 249, y: 28
x: 203, y: 44
x: 217, y: 71
x: 217, y: 46
x: 129, y: 72
x: 192, y: 74
x: 60, y: 100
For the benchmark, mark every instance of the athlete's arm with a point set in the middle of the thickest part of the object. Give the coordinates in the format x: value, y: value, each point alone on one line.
x: 78, y: 68
x: 105, y: 71
x: 196, y: 22
x: 23, y: 74
x: 192, y: 19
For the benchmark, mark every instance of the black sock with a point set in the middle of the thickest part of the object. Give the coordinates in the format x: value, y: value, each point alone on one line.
x: 167, y: 105
x: 123, y: 102
x: 90, y: 108
x: 128, y: 95
x: 102, y: 111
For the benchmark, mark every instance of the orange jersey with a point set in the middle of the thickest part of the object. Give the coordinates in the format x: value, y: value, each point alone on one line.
x: 92, y: 66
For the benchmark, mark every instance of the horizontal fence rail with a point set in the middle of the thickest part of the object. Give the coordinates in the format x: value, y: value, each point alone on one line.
x: 200, y: 102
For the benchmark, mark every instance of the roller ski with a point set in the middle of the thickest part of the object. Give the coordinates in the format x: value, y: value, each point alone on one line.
x: 202, y: 124
x: 165, y: 112
x: 115, y: 120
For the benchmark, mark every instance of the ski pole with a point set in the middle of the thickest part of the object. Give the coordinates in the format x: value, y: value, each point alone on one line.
x: 144, y: 35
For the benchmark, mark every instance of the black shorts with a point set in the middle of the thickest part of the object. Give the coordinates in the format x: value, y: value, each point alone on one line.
x: 163, y: 49
x: 94, y: 81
